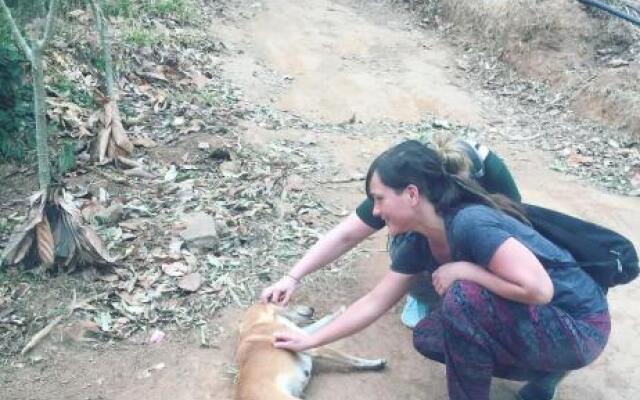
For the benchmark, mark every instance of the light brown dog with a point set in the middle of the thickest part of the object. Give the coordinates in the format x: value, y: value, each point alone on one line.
x: 268, y: 373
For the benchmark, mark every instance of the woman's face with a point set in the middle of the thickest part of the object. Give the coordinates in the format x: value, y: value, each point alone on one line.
x: 396, y: 209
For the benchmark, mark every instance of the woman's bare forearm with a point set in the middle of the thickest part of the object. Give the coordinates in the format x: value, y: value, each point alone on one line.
x: 366, y: 310
x: 349, y: 233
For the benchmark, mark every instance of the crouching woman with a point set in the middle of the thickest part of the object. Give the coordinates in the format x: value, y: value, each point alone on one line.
x: 514, y: 305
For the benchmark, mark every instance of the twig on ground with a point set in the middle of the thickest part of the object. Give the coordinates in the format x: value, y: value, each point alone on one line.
x: 139, y: 172
x: 47, y: 329
x: 343, y: 180
x: 338, y: 212
x: 127, y: 162
x: 521, y: 138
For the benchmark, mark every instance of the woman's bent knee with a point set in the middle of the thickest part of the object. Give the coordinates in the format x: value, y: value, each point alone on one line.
x: 460, y: 296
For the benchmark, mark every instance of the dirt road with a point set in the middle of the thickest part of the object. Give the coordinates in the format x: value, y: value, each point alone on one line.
x: 341, y: 60
x: 328, y: 62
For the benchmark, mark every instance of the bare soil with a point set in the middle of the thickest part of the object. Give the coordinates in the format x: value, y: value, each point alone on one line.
x: 325, y: 62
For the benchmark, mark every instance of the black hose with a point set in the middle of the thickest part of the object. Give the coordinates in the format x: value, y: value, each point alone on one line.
x: 611, y: 10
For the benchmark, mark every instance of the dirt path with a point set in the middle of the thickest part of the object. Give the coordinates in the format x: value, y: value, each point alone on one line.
x: 326, y: 62
x: 339, y: 60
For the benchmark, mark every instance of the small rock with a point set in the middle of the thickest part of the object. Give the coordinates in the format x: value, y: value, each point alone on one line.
x: 441, y: 123
x: 200, y: 231
x: 157, y: 336
x: 175, y: 269
x: 191, y: 282
x: 177, y: 121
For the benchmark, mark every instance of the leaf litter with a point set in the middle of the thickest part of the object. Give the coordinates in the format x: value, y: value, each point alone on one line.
x: 203, y: 222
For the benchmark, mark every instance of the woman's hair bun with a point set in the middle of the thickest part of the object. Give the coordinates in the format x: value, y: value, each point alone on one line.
x: 452, y: 155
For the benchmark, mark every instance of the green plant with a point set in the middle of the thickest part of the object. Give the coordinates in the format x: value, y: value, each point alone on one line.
x: 142, y: 37
x: 210, y: 98
x: 16, y: 109
x: 70, y: 89
x: 182, y: 10
x: 121, y: 8
x: 66, y: 157
x: 97, y: 62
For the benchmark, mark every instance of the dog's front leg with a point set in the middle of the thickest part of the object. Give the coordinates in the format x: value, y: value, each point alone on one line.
x: 359, y: 363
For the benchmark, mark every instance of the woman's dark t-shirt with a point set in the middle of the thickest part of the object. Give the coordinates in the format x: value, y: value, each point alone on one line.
x: 475, y: 233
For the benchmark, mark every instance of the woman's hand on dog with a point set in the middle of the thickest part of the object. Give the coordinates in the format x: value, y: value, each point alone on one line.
x: 291, y: 340
x: 280, y: 292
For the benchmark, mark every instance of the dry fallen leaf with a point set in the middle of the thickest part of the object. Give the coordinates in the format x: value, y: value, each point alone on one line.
x: 191, y: 282
x: 576, y: 159
x: 143, y: 141
x: 199, y: 79
x: 175, y: 269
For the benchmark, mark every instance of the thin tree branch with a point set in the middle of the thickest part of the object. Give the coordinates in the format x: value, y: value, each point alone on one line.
x: 49, y: 27
x: 47, y: 329
x: 16, y: 32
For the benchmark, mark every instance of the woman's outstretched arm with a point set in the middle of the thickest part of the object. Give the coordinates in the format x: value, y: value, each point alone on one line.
x: 335, y: 243
x: 358, y: 316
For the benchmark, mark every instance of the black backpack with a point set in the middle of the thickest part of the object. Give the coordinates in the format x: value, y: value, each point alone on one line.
x: 607, y: 256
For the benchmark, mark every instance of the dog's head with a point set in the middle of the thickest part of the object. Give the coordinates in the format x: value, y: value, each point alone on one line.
x: 268, y: 313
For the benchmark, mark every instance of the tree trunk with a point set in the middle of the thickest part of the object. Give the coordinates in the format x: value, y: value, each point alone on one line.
x: 105, y: 40
x: 97, y: 6
x: 42, y: 134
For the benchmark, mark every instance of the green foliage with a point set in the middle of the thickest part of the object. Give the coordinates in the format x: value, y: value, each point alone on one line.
x: 70, y: 90
x: 165, y: 8
x: 181, y: 10
x: 98, y: 62
x: 142, y: 37
x: 16, y: 108
x: 121, y: 8
x: 66, y: 157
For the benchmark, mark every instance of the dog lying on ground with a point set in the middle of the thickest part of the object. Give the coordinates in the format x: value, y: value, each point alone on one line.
x: 268, y: 373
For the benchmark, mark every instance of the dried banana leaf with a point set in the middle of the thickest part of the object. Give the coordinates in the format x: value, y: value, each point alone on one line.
x: 54, y: 234
x: 117, y: 130
x: 112, y: 140
x: 44, y: 241
x: 22, y: 239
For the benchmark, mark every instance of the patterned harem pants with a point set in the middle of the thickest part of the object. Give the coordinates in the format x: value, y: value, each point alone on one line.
x: 478, y: 334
